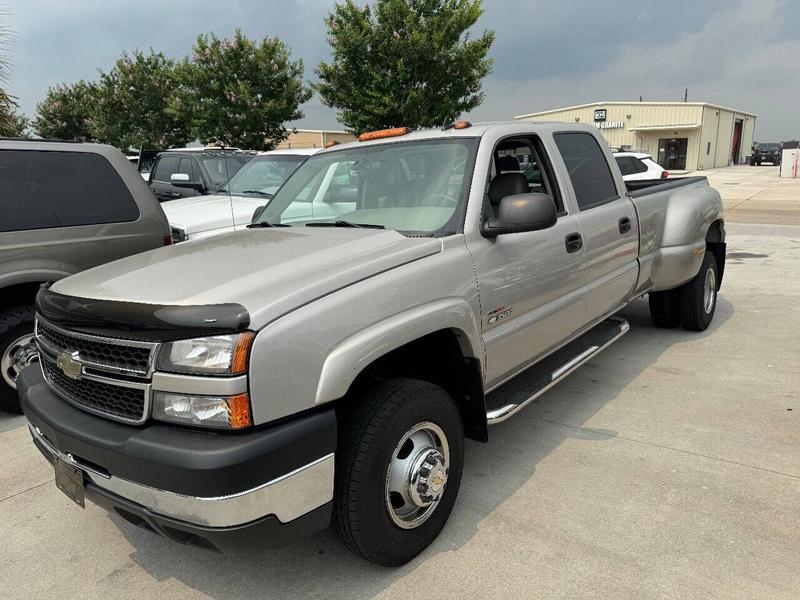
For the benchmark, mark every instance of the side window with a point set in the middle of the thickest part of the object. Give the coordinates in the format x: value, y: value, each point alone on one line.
x: 41, y: 189
x: 625, y: 166
x: 528, y: 157
x: 587, y: 167
x: 638, y: 164
x: 187, y: 166
x: 165, y: 167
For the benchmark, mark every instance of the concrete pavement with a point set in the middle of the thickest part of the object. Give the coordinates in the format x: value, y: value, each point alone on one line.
x: 668, y: 467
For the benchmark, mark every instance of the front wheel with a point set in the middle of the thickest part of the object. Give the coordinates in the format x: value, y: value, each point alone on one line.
x: 698, y: 297
x: 398, y: 471
x: 17, y: 351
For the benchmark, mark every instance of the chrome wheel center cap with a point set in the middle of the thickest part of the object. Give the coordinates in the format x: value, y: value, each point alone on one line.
x: 427, y: 478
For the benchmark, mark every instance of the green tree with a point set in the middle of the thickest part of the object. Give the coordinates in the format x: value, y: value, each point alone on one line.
x: 7, y: 102
x: 18, y: 125
x: 139, y: 103
x: 241, y: 92
x: 403, y: 62
x: 67, y: 112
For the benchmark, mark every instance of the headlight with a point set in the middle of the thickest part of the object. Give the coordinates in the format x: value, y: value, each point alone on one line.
x: 225, y: 412
x: 214, y: 355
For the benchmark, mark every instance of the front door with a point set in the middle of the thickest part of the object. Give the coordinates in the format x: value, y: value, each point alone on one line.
x: 672, y: 153
x: 528, y: 281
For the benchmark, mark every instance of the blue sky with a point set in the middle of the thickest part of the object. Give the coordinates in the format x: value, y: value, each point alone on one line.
x: 547, y: 54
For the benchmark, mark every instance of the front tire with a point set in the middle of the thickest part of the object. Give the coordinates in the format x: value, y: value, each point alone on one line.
x: 398, y: 471
x: 17, y: 351
x: 698, y: 297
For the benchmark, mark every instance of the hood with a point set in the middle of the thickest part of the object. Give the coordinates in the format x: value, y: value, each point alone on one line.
x: 197, y: 214
x: 268, y: 271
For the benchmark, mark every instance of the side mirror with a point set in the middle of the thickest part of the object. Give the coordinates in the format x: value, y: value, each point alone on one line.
x: 522, y: 212
x: 258, y: 212
x: 182, y: 180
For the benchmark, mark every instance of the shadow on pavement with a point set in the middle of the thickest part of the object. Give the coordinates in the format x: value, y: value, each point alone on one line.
x: 321, y: 567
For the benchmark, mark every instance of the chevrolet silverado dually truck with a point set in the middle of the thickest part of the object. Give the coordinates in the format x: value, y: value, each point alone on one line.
x: 245, y: 390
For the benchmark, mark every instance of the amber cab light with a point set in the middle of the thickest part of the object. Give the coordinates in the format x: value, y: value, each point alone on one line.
x: 462, y: 125
x: 383, y: 133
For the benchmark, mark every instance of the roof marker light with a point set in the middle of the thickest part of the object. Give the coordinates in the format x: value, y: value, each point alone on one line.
x: 383, y: 133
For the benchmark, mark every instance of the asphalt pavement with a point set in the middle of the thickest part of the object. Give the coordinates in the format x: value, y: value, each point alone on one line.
x: 667, y: 467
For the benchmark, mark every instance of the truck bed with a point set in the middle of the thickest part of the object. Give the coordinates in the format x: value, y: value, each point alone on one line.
x: 642, y: 187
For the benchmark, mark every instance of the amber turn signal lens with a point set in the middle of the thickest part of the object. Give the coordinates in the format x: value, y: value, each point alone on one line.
x: 239, y: 411
x: 242, y: 352
x: 383, y: 133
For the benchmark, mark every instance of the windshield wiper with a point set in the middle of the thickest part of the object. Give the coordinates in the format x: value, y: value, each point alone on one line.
x: 267, y: 224
x: 259, y: 192
x: 342, y: 223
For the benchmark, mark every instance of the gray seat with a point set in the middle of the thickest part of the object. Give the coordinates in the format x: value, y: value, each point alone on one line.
x: 507, y: 184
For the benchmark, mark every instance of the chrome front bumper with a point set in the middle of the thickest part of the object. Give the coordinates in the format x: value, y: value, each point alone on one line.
x: 287, y: 497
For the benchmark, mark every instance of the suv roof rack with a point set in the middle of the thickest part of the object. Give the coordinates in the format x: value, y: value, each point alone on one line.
x: 24, y: 139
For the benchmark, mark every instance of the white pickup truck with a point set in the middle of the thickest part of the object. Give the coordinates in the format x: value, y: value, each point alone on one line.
x: 232, y: 208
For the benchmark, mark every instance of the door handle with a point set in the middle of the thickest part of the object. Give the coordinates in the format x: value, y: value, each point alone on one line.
x: 573, y: 242
x: 624, y: 225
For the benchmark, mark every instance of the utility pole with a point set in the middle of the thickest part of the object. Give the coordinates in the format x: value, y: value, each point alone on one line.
x: 686, y: 95
x: 640, y: 98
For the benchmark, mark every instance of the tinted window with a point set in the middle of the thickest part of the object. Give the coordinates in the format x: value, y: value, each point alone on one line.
x: 587, y: 167
x: 638, y: 165
x: 187, y: 166
x: 166, y: 166
x: 625, y: 166
x: 41, y: 189
x: 221, y: 167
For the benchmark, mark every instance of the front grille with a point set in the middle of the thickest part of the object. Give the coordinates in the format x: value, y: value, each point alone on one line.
x: 127, y: 357
x: 116, y: 401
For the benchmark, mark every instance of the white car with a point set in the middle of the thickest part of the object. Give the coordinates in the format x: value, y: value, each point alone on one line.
x: 639, y: 165
x: 252, y: 187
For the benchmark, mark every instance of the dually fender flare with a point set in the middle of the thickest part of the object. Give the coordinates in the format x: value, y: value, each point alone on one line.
x: 348, y: 359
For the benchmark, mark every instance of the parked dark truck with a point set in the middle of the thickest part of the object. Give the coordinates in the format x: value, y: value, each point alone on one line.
x: 64, y: 207
x: 252, y: 388
x: 762, y: 152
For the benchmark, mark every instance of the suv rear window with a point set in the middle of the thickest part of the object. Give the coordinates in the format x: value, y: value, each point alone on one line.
x: 43, y: 189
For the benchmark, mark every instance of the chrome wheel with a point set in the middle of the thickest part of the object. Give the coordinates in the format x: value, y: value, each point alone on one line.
x: 417, y: 475
x: 709, y: 291
x: 19, y: 354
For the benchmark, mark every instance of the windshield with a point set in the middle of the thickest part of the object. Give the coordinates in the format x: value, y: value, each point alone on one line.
x: 221, y: 167
x: 413, y: 187
x: 766, y: 146
x: 263, y: 175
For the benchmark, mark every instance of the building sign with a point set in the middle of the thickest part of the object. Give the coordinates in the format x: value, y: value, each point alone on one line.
x: 610, y: 125
x: 599, y: 114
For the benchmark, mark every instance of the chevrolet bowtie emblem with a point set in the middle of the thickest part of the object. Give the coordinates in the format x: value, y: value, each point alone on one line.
x: 69, y: 364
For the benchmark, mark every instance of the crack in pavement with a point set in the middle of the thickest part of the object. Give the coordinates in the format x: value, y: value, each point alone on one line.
x: 665, y: 447
x: 38, y: 485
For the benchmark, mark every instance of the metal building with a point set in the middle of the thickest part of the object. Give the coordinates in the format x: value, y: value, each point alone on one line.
x: 680, y: 136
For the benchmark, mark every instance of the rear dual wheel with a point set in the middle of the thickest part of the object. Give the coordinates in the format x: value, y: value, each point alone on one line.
x: 691, y: 305
x: 398, y: 471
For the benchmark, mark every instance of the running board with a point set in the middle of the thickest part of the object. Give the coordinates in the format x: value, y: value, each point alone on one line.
x: 523, y: 389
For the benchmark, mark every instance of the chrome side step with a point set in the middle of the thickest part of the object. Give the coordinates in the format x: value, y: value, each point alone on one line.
x: 515, y: 395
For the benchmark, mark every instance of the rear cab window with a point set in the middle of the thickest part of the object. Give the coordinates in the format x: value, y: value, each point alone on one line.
x: 43, y: 189
x: 589, y: 172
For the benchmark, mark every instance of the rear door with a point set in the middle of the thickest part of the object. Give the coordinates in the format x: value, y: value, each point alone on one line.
x: 63, y: 211
x: 607, y: 221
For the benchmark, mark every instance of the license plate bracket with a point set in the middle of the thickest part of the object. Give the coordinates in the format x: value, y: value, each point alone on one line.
x: 70, y: 481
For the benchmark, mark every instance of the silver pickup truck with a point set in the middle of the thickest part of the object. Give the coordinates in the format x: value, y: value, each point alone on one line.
x: 246, y: 390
